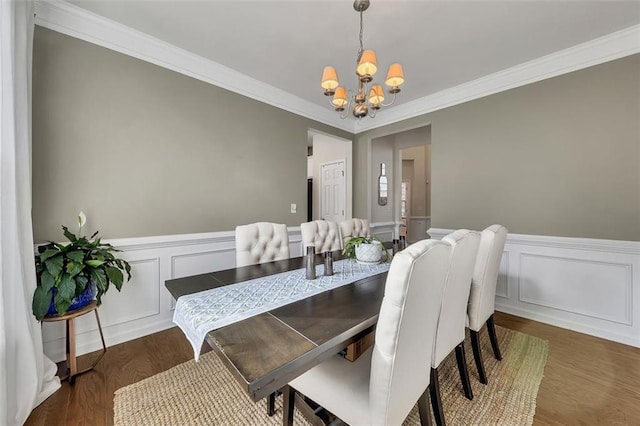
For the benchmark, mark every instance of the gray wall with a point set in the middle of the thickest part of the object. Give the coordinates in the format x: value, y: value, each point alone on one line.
x: 559, y: 157
x: 147, y: 151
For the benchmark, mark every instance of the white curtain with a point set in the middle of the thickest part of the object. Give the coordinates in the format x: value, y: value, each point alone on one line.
x: 27, y: 376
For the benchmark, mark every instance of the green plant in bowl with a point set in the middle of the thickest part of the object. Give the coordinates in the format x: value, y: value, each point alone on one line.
x: 66, y: 271
x: 352, y: 243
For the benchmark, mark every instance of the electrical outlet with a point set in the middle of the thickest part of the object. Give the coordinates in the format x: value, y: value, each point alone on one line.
x: 294, y: 208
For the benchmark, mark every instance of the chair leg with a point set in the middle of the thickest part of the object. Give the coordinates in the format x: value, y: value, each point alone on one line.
x: 271, y: 404
x: 423, y: 408
x: 477, y: 355
x: 289, y: 399
x: 436, y: 400
x: 464, y: 373
x: 491, y: 328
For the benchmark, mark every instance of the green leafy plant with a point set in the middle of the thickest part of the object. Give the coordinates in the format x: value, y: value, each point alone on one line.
x: 349, y: 249
x: 64, y: 271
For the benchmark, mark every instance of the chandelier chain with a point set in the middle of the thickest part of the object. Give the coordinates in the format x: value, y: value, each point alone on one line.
x: 361, y: 33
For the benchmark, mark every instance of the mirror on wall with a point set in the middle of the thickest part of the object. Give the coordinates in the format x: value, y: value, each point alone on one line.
x: 383, y: 185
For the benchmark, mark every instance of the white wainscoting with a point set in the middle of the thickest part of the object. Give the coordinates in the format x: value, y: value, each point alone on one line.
x: 587, y: 285
x: 418, y: 226
x: 385, y: 231
x: 591, y: 286
x: 145, y: 306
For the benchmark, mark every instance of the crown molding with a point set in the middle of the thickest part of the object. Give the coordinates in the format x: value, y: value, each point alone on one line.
x: 603, y: 49
x: 66, y: 18
x: 77, y: 22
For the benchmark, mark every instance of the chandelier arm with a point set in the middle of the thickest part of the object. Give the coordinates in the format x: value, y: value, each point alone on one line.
x: 346, y: 111
x: 390, y: 103
x: 347, y: 107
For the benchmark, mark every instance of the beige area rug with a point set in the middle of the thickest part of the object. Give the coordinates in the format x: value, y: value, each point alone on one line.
x: 205, y: 393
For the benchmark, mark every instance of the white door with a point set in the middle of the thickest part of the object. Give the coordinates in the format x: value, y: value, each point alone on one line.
x: 332, y: 189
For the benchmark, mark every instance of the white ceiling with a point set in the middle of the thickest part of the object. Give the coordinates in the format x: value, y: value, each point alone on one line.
x: 441, y: 44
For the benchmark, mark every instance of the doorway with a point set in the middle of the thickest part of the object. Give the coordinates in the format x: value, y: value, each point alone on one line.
x: 408, y: 156
x: 415, y: 191
x: 334, y: 183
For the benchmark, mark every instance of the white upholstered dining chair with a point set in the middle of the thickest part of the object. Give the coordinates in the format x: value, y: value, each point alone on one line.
x: 382, y: 386
x: 261, y: 242
x: 354, y: 228
x: 483, y: 292
x: 323, y: 235
x: 450, y: 333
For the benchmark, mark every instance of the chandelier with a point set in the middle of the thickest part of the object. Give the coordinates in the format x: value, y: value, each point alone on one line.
x: 366, y: 67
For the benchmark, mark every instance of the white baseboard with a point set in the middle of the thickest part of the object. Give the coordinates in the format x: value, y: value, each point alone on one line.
x: 587, y: 285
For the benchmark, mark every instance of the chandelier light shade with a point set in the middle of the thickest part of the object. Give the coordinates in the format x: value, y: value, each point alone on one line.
x: 366, y: 68
x: 340, y: 99
x: 376, y: 96
x: 329, y: 80
x: 395, y: 77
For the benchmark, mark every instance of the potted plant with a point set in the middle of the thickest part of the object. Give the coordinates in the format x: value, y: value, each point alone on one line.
x: 365, y: 249
x: 71, y: 275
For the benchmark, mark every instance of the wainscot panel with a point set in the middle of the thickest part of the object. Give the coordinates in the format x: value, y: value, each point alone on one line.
x: 587, y: 285
x: 385, y: 231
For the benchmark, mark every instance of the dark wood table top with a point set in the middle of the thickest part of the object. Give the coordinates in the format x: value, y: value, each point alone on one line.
x: 267, y: 351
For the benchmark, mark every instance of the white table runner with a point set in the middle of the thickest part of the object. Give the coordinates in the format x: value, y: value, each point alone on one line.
x: 199, y: 313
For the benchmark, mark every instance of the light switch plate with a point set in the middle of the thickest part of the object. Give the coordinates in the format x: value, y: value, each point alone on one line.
x: 294, y: 208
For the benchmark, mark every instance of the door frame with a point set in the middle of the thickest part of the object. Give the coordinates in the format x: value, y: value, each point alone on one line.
x: 407, y: 210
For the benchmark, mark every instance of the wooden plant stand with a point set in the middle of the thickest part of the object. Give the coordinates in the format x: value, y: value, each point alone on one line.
x: 69, y: 317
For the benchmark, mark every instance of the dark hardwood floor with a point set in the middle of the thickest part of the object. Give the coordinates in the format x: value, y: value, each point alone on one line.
x: 586, y: 380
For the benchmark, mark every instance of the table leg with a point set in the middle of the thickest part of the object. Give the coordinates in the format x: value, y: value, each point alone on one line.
x: 289, y: 398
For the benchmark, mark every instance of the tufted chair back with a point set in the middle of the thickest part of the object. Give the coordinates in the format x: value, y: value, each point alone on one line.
x: 354, y: 228
x: 406, y: 329
x: 485, y: 276
x: 453, y: 314
x: 261, y: 242
x: 324, y: 235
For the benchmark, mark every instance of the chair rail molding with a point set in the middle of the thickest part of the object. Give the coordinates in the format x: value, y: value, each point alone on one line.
x: 587, y: 285
x: 145, y: 306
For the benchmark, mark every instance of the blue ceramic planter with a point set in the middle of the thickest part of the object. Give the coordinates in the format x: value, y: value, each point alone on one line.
x: 80, y: 301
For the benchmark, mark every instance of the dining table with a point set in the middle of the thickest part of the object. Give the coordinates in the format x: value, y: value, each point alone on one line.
x: 266, y: 351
